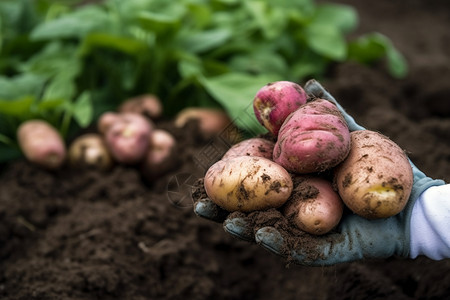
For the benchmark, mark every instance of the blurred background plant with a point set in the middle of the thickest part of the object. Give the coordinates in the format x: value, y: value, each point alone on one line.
x: 69, y: 61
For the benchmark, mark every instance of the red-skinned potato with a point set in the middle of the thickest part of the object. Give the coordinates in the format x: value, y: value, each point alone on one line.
x: 147, y: 104
x: 376, y: 178
x: 41, y: 144
x: 106, y: 120
x: 211, y: 121
x: 314, y: 206
x: 251, y: 147
x: 128, y: 138
x: 89, y: 150
x: 160, y: 155
x: 247, y: 183
x: 312, y: 139
x: 275, y: 101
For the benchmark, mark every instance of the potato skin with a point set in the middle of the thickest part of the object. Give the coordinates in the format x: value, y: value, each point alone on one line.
x: 314, y: 206
x: 312, y: 139
x: 89, y: 150
x: 251, y: 147
x: 41, y: 144
x: 376, y: 178
x: 247, y: 183
x: 147, y: 104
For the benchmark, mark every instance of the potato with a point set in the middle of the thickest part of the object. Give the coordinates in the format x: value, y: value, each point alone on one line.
x: 376, y: 178
x: 147, y: 104
x: 247, y: 183
x: 314, y: 206
x: 275, y: 101
x: 106, y: 120
x: 127, y: 138
x: 312, y: 139
x: 159, y: 158
x: 251, y: 147
x: 89, y: 150
x: 211, y: 121
x: 41, y: 144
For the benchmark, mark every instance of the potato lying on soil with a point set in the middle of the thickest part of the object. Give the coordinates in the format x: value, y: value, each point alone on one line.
x: 159, y: 158
x: 127, y: 138
x: 376, y: 178
x: 211, y: 121
x: 41, y: 144
x: 106, y: 120
x: 148, y: 105
x: 89, y: 150
x: 247, y: 183
x: 314, y: 206
x: 314, y: 138
x: 275, y: 101
x: 251, y: 147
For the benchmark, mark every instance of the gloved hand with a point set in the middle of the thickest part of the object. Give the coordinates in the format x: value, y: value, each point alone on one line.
x: 355, y: 237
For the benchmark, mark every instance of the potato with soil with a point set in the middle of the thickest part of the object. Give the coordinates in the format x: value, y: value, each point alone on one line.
x: 314, y: 138
x: 275, y: 101
x: 211, y: 121
x: 127, y: 137
x: 260, y: 147
x: 41, y: 144
x: 89, y: 150
x: 376, y: 178
x: 247, y: 183
x: 314, y: 206
x: 147, y: 104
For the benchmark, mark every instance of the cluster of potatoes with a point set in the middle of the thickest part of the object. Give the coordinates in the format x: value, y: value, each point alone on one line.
x: 310, y: 166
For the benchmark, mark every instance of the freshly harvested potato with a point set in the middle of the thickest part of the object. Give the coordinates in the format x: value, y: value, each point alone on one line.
x: 147, y: 104
x: 314, y: 206
x: 247, y: 183
x: 41, y: 144
x: 251, y: 147
x: 127, y: 138
x: 376, y: 178
x: 106, y: 120
x: 89, y: 150
x: 211, y: 121
x: 312, y: 139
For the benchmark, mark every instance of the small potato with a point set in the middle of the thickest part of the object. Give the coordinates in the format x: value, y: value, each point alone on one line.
x: 106, y: 120
x: 41, y: 144
x: 147, y: 104
x: 89, y: 150
x: 160, y: 155
x: 312, y: 139
x: 211, y: 121
x: 314, y: 206
x: 251, y: 147
x: 128, y: 138
x: 247, y: 183
x: 275, y: 101
x: 376, y: 178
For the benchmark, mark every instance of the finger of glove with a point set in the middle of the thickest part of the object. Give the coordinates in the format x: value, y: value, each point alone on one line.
x: 207, y: 209
x: 314, y: 89
x: 239, y: 228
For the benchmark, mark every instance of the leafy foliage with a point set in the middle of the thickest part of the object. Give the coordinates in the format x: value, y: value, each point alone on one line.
x: 66, y: 62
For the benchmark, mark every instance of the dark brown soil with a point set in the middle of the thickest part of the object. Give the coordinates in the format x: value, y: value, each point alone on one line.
x: 90, y: 235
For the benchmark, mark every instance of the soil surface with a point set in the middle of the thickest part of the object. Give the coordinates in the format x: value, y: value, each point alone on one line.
x: 83, y: 234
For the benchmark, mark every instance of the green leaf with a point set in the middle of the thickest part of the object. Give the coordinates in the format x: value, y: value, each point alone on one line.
x: 343, y: 17
x: 83, y: 110
x: 372, y: 47
x: 326, y: 40
x: 157, y: 22
x: 123, y: 44
x: 235, y: 92
x: 17, y: 107
x: 18, y: 86
x: 201, y: 41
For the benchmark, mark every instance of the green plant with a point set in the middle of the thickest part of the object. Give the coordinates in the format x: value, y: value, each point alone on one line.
x: 67, y: 63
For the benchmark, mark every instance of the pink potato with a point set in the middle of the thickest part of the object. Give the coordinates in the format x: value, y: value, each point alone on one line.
x: 128, y: 138
x: 106, y: 120
x: 312, y: 139
x: 275, y: 101
x: 159, y: 158
x: 147, y: 104
x: 211, y: 121
x: 314, y: 206
x: 41, y: 144
x: 251, y: 147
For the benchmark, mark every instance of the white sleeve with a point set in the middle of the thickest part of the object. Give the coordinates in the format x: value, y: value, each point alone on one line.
x: 430, y: 224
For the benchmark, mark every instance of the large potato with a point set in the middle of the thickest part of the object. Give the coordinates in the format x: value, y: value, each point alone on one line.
x: 247, y: 183
x: 375, y: 180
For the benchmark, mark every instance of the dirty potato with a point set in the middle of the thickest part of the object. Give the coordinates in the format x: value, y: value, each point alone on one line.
x: 247, y: 183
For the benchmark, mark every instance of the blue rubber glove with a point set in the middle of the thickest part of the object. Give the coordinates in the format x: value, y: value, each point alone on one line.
x: 355, y: 238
